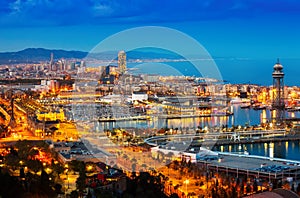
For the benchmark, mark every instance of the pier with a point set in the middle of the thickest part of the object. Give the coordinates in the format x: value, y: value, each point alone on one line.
x: 270, y: 169
x: 225, y: 138
x: 273, y: 170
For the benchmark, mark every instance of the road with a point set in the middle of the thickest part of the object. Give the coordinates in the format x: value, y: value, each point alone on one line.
x: 19, y: 131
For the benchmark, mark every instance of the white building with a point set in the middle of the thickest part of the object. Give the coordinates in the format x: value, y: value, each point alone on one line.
x: 140, y: 96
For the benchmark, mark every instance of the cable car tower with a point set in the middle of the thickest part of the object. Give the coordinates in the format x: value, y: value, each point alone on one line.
x: 278, y: 94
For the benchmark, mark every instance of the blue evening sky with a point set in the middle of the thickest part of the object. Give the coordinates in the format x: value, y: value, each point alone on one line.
x: 226, y: 28
x: 245, y: 29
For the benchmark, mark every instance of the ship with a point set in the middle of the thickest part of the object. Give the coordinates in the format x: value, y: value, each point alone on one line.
x: 259, y: 106
x: 245, y: 106
x: 238, y: 100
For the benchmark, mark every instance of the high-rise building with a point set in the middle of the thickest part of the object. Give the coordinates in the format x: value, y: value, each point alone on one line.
x: 51, y: 64
x: 82, y: 64
x: 62, y: 65
x: 278, y: 94
x: 122, y: 62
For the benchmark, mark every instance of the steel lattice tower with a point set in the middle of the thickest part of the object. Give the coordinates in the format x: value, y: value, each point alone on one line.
x: 278, y: 93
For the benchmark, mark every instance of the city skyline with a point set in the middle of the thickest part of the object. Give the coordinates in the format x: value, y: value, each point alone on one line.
x: 173, y: 99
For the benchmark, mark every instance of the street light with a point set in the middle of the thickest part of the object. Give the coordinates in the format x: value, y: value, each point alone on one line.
x: 186, y: 182
x: 67, y: 176
x: 68, y: 180
x: 90, y: 167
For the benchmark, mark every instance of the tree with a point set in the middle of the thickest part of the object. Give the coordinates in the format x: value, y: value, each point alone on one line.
x: 255, y: 186
x: 58, y: 168
x: 12, y: 160
x: 58, y: 188
x: 174, y: 195
x: 35, y: 165
x: 74, y: 194
x: 233, y: 192
x: 9, y: 186
x: 133, y: 167
x: 80, y: 182
x: 22, y: 173
x: 23, y: 148
x: 77, y: 165
x: 44, y: 178
x: 144, y: 166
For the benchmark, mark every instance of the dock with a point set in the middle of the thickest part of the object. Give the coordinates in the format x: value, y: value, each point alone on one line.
x: 270, y: 169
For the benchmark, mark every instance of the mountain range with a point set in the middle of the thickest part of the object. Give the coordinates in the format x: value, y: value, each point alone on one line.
x: 35, y: 55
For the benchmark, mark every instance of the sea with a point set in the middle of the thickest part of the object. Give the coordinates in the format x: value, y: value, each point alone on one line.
x: 231, y: 70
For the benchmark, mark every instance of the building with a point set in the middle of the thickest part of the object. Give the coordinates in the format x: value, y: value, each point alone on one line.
x: 122, y: 62
x: 51, y: 116
x: 180, y: 105
x: 139, y: 96
x: 52, y: 65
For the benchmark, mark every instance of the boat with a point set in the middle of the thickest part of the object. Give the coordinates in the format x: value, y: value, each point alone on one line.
x: 206, y: 152
x: 245, y: 106
x: 293, y: 109
x: 236, y: 101
x: 259, y: 107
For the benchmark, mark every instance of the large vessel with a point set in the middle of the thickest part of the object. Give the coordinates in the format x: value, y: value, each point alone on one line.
x: 203, y: 152
x: 246, y: 106
x: 259, y: 106
x: 238, y: 100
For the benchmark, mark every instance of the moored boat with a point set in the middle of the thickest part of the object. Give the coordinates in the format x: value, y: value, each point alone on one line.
x: 246, y: 106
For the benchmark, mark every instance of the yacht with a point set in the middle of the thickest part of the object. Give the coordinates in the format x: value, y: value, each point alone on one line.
x: 246, y: 106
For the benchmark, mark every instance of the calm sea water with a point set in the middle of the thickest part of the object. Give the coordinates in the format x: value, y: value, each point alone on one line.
x: 286, y: 150
x: 240, y: 117
x: 256, y: 71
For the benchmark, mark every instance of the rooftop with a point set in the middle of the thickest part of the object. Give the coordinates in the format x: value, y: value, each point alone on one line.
x: 277, y: 193
x: 253, y: 164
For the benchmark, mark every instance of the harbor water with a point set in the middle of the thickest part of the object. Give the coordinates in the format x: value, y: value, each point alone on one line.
x: 240, y: 117
x: 285, y: 149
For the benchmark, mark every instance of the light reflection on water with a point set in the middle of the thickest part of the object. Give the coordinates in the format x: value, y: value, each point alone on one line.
x: 240, y: 117
x: 286, y: 150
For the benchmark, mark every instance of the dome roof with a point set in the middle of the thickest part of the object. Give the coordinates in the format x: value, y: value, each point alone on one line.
x: 278, y: 66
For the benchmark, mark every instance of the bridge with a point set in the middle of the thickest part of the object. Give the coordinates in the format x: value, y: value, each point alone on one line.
x: 234, y: 136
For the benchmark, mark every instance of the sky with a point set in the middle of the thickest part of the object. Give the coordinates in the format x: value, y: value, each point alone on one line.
x: 242, y: 29
x: 231, y: 28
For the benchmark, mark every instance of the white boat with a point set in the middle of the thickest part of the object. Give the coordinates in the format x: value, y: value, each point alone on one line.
x: 236, y: 101
x: 245, y: 105
x: 203, y: 152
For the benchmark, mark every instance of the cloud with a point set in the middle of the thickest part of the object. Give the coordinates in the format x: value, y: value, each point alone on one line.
x: 72, y: 12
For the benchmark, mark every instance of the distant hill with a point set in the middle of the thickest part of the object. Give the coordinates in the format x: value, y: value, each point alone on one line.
x: 33, y: 55
x: 141, y: 53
